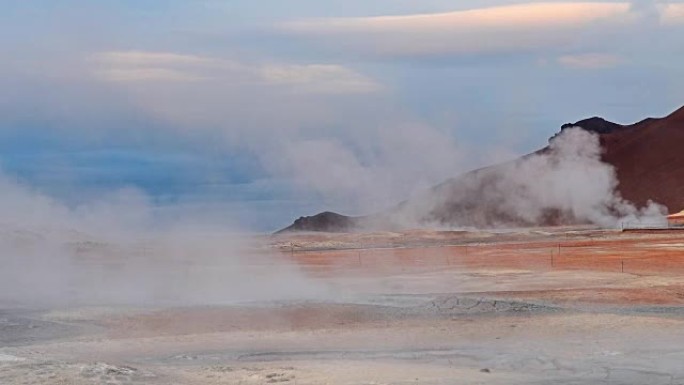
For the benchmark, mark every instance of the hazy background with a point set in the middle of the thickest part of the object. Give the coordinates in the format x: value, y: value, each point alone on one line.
x: 256, y: 112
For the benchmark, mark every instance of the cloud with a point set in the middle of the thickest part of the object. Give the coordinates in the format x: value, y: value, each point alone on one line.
x: 139, y: 66
x: 486, y: 30
x: 318, y: 78
x: 145, y: 58
x: 146, y: 74
x: 590, y: 61
x: 672, y: 14
x: 143, y: 66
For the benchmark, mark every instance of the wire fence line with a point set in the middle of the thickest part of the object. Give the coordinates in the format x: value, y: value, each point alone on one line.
x: 638, y: 258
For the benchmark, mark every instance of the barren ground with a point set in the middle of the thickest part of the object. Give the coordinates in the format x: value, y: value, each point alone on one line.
x: 542, y: 306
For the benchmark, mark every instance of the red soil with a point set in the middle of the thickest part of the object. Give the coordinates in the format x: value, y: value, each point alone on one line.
x: 650, y: 255
x: 653, y: 255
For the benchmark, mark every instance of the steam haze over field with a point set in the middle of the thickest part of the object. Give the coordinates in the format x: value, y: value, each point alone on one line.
x: 136, y: 123
x: 117, y: 251
x: 258, y: 113
x: 460, y: 197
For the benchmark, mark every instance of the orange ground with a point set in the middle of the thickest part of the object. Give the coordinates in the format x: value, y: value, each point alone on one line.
x: 642, y: 253
x: 662, y: 254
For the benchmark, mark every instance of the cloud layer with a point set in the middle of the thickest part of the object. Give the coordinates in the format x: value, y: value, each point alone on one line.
x: 590, y: 61
x: 143, y: 66
x: 503, y: 29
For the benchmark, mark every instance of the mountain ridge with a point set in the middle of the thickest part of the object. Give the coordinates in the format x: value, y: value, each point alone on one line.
x: 646, y: 156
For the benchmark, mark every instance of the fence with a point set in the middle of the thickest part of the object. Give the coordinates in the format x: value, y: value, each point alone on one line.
x: 649, y: 256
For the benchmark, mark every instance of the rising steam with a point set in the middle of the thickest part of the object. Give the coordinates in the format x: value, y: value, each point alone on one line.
x: 115, y: 251
x: 572, y: 178
x: 566, y: 183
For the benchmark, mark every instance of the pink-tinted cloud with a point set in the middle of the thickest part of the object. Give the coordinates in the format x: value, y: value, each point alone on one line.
x: 142, y: 66
x: 485, y: 30
x: 590, y: 61
x: 672, y: 14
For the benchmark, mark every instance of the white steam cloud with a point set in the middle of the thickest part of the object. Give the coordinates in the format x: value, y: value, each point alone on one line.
x: 567, y: 183
x: 116, y: 252
x: 573, y: 179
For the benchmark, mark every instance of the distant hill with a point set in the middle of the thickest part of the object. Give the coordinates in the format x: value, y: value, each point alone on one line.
x: 647, y: 160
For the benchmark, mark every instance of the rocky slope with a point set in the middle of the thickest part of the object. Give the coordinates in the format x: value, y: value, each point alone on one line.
x: 647, y: 158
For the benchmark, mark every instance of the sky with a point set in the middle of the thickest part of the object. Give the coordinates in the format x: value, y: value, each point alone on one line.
x: 263, y: 111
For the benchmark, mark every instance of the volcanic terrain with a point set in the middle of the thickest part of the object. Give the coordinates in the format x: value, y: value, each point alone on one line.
x: 647, y: 159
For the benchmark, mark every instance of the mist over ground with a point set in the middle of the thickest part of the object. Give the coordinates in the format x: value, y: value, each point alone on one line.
x: 148, y: 146
x: 119, y: 250
x: 237, y: 117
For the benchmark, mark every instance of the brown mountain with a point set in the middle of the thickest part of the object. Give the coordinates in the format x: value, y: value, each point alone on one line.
x: 647, y: 158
